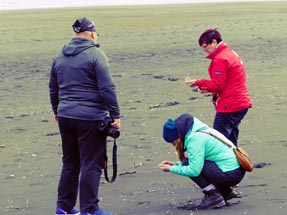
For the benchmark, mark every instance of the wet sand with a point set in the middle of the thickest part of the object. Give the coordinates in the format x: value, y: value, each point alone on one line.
x: 151, y: 49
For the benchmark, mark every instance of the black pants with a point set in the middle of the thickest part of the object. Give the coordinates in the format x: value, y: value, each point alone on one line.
x: 212, y: 174
x: 84, y: 150
x: 228, y: 124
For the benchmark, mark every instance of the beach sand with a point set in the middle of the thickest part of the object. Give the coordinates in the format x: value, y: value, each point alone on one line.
x: 151, y: 49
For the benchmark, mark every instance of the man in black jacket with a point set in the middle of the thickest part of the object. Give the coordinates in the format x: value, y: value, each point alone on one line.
x: 82, y: 94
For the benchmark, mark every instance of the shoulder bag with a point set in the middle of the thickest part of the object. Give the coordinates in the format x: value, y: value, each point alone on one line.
x: 241, y: 155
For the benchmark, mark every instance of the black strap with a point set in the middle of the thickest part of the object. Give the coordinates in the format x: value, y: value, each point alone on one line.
x: 115, y: 165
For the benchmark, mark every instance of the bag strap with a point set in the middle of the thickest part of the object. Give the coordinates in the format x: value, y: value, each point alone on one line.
x: 218, y: 136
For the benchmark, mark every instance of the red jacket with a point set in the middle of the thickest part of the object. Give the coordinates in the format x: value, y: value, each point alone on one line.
x: 227, y: 81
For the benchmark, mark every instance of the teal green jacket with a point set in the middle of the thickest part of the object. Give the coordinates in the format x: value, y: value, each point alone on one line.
x: 200, y: 147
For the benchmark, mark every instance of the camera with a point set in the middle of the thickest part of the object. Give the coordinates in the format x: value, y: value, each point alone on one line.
x: 107, y: 129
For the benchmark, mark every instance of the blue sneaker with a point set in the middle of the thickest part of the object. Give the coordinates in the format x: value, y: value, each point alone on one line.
x: 98, y: 212
x: 60, y: 211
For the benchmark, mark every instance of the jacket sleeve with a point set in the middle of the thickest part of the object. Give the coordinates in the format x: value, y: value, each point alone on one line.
x: 54, y: 89
x: 106, y: 85
x: 196, y: 153
x: 217, y: 73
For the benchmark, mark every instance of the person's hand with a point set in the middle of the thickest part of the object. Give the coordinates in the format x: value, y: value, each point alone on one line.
x: 165, y: 165
x: 116, y: 123
x: 202, y: 91
x: 171, y: 163
x: 190, y: 82
x: 56, y: 118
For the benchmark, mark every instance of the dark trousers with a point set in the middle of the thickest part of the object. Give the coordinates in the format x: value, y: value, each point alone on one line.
x: 84, y: 150
x: 228, y: 124
x: 223, y: 181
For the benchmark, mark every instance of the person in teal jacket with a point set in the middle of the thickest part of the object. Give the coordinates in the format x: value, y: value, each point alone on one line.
x: 211, y: 164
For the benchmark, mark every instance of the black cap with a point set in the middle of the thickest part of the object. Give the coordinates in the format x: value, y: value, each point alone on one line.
x: 83, y: 24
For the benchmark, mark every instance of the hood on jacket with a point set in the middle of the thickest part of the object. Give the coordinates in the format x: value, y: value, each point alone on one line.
x: 77, y: 45
x: 187, y: 123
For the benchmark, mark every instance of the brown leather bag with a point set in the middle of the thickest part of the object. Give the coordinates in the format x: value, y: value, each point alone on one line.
x: 241, y: 154
x: 243, y: 159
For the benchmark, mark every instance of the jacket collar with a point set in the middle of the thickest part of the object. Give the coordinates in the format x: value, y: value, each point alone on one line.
x: 221, y: 46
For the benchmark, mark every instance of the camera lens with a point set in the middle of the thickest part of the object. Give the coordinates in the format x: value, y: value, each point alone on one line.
x: 114, y: 133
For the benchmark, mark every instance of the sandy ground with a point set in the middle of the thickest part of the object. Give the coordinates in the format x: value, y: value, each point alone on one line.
x: 150, y: 88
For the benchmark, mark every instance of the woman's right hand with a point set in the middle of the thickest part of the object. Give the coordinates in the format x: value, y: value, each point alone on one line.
x: 170, y: 163
x: 190, y: 82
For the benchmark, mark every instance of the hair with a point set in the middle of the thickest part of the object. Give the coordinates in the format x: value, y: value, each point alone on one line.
x: 208, y: 36
x: 180, y: 150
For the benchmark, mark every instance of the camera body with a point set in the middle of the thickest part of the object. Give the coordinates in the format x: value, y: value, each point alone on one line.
x: 107, y: 129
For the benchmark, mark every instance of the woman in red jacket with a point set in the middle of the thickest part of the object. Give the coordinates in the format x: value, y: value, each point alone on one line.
x: 227, y: 84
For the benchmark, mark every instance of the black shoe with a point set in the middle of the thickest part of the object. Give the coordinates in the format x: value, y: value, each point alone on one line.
x: 212, y: 199
x: 232, y: 195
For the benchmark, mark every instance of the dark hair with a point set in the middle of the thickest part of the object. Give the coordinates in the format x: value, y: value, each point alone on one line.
x: 208, y: 36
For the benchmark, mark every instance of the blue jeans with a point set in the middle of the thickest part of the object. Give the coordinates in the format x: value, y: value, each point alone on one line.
x: 84, y: 150
x: 228, y: 124
x: 223, y: 181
